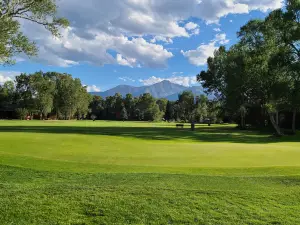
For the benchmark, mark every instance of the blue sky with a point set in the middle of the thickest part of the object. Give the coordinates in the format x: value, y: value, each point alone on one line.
x: 137, y: 42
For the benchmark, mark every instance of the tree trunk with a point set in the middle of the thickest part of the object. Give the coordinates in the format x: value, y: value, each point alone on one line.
x: 277, y: 118
x: 294, y: 121
x: 243, y: 123
x: 276, y: 127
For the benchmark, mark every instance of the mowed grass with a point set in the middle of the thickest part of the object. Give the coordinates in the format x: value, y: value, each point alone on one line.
x: 84, y: 172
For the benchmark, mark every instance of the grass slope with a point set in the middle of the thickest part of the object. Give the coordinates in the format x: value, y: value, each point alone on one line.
x: 145, y: 173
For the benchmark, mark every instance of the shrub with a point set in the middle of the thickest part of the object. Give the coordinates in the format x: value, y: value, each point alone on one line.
x: 22, y: 113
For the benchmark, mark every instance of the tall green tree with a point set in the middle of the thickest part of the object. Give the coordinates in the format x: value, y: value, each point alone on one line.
x: 12, y: 40
x: 83, y: 101
x: 43, y: 90
x: 25, y: 94
x: 66, y: 96
x: 7, y: 95
x: 170, y: 113
x: 129, y: 103
x: 186, y: 105
x: 201, y: 108
x: 124, y: 115
x: 97, y: 106
x: 147, y: 109
x: 283, y: 26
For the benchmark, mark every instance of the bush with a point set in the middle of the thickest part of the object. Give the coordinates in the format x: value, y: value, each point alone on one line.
x: 22, y: 113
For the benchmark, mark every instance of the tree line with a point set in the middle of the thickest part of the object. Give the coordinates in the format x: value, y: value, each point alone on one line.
x: 188, y: 108
x: 258, y: 78
x: 59, y: 96
x: 43, y: 95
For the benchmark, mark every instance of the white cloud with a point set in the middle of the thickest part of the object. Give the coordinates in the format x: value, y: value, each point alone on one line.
x: 92, y: 88
x: 217, y: 29
x: 125, y: 26
x: 72, y: 49
x: 162, y: 39
x: 196, y: 31
x: 230, y: 21
x: 263, y: 5
x: 125, y: 61
x: 181, y: 80
x: 125, y: 79
x: 221, y: 38
x: 8, y: 76
x: 191, y: 26
x: 199, y: 56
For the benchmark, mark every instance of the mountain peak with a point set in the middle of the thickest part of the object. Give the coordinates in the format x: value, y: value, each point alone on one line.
x: 166, y: 81
x: 163, y: 89
x: 169, y: 83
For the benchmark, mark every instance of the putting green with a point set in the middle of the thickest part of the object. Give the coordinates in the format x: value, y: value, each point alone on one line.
x: 86, y: 146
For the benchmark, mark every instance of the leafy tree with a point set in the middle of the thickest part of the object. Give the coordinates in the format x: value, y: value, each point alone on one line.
x: 162, y: 103
x: 130, y: 105
x: 12, y: 40
x: 25, y: 94
x: 70, y: 97
x: 201, y: 110
x: 83, y: 102
x: 147, y: 109
x: 186, y: 105
x: 213, y: 111
x: 118, y: 100
x: 97, y: 106
x: 124, y: 115
x: 22, y: 113
x: 43, y: 90
x: 248, y: 74
x: 284, y: 29
x: 170, y: 111
x: 7, y: 95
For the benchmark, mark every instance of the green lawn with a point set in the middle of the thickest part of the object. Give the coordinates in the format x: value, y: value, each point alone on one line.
x: 145, y: 173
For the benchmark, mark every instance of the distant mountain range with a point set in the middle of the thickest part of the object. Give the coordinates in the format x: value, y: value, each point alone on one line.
x: 164, y: 89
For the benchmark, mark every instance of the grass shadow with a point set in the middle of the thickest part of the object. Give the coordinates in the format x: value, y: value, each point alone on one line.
x: 203, y: 134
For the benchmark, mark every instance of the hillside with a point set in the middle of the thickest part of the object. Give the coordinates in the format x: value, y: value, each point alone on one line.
x: 164, y: 89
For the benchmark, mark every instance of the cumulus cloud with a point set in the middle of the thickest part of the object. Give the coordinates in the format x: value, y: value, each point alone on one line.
x: 8, y: 76
x: 217, y: 29
x: 97, y: 27
x: 92, y: 88
x: 196, y: 31
x: 263, y: 5
x: 191, y: 26
x: 125, y: 61
x: 198, y: 57
x: 72, y: 50
x: 162, y: 39
x: 221, y: 38
x: 181, y: 80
